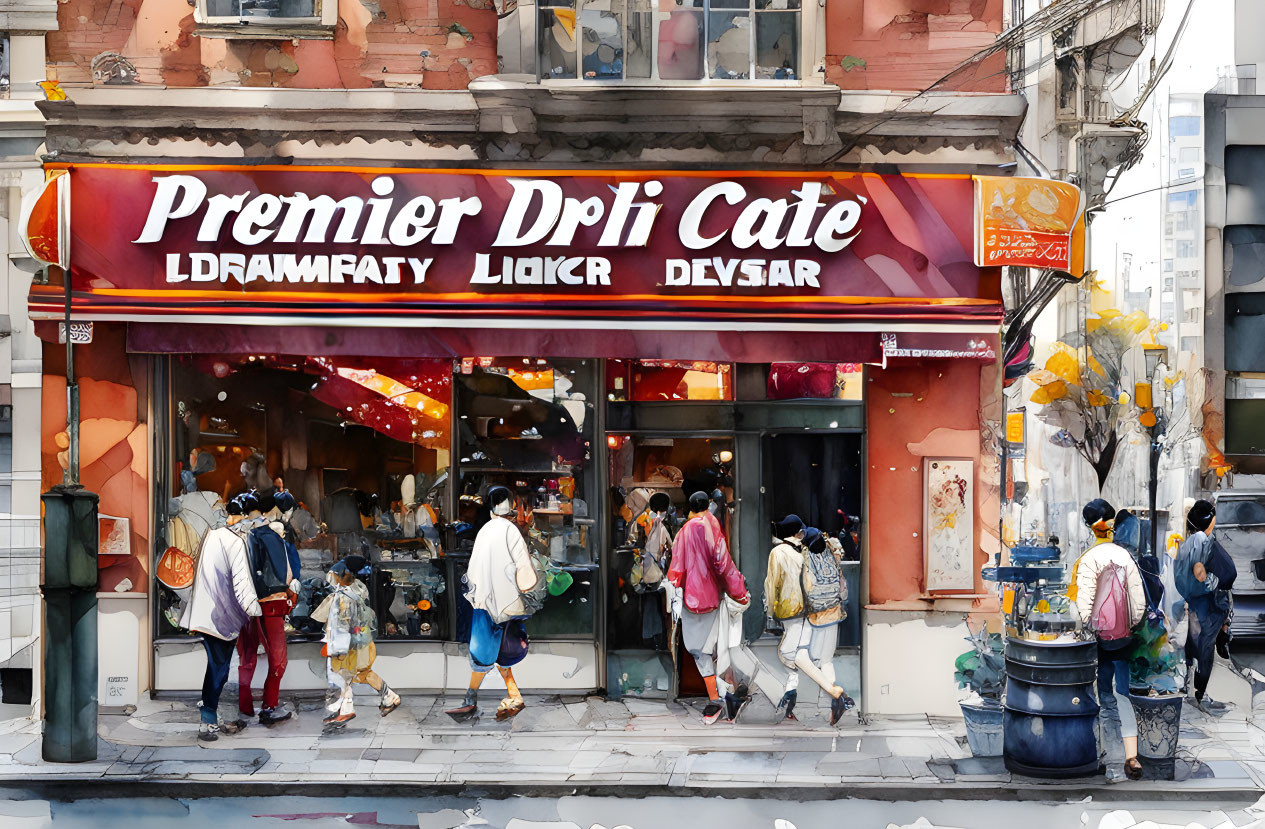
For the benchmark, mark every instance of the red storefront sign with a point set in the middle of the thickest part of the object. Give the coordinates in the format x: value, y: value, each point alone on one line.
x: 511, y: 249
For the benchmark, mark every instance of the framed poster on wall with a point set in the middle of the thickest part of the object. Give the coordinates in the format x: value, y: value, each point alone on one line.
x: 948, y: 496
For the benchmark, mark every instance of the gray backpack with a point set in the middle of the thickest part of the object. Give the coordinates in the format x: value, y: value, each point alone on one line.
x: 820, y: 580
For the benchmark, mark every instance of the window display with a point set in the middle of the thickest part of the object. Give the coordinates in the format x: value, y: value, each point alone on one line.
x: 649, y: 380
x: 363, y: 445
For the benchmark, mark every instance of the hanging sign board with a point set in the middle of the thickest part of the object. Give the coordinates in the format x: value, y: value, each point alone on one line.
x: 1029, y: 222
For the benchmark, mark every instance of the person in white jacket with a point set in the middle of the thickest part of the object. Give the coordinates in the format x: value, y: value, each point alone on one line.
x: 1113, y: 655
x: 223, y: 600
x: 500, y: 572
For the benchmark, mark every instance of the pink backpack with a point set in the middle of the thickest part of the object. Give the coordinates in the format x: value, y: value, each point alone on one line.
x: 1110, y: 616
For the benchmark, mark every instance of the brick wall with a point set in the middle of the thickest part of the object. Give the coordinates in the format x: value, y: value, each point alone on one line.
x: 431, y: 44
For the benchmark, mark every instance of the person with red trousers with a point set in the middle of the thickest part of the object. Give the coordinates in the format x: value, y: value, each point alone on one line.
x: 275, y: 566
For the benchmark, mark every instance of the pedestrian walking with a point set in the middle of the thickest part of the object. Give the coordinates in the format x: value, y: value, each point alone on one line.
x: 349, y: 628
x: 1204, y: 574
x: 702, y: 570
x: 275, y: 568
x: 222, y: 601
x: 505, y: 586
x: 1111, y: 601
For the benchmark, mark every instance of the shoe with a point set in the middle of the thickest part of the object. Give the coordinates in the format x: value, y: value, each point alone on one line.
x: 509, y: 708
x: 1223, y: 645
x: 788, y: 702
x: 838, y: 706
x: 269, y: 716
x: 208, y: 732
x: 1133, y: 768
x: 712, y: 711
x: 390, y: 701
x: 468, y: 709
x: 330, y: 717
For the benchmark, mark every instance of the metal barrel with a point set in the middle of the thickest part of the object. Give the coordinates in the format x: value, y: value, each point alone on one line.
x: 1050, y: 708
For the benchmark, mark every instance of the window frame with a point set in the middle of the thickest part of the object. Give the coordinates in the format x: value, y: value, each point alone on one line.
x: 319, y: 26
x: 806, y: 38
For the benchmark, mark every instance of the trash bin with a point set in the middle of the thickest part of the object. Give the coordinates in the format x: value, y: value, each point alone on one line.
x: 1051, y: 712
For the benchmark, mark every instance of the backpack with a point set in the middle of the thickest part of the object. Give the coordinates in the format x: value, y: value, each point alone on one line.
x: 1109, y: 618
x: 268, y: 557
x: 820, y: 580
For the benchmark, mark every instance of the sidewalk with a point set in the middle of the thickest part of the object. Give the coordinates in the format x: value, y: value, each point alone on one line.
x: 594, y: 746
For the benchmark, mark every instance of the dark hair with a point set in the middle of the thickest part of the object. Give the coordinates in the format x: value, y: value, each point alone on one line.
x: 1200, y: 516
x: 699, y: 502
x: 815, y: 540
x: 1098, y: 510
x: 266, y: 501
x: 660, y: 502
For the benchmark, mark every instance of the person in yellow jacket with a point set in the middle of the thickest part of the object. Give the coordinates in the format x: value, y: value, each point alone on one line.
x: 784, y: 601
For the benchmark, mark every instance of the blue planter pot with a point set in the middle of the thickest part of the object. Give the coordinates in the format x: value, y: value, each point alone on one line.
x: 983, y: 729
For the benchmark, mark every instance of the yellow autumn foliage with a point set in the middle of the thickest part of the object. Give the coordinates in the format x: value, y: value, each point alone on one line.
x: 1097, y: 398
x: 1050, y: 392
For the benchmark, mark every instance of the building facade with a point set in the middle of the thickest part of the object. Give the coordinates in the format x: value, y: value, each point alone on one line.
x: 386, y: 255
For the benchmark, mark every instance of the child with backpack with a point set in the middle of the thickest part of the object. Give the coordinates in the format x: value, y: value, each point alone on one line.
x: 1107, y: 589
x: 349, y: 628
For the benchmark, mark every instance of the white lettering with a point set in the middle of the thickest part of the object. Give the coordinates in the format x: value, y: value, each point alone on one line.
x: 769, y: 215
x: 367, y: 269
x: 566, y: 271
x: 419, y: 268
x: 392, y: 264
x: 233, y: 265
x: 598, y: 270
x: 731, y: 191
x: 341, y: 266
x: 678, y: 273
x: 805, y: 210
x: 321, y: 210
x: 841, y: 218
x: 378, y: 210
x: 529, y: 271
x: 780, y: 274
x: 451, y: 212
x: 752, y: 273
x: 482, y: 275
x: 725, y: 270
x: 205, y: 267
x: 574, y: 214
x: 260, y: 267
x: 173, y: 269
x: 191, y: 191
x: 251, y: 226
x: 511, y: 233
x: 308, y: 269
x: 217, y: 210
x: 806, y: 271
x: 411, y: 224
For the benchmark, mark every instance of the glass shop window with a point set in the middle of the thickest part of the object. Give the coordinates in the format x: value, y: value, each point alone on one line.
x: 815, y: 381
x: 527, y: 424
x: 612, y: 40
x: 650, y: 380
x: 362, y: 445
x: 260, y: 10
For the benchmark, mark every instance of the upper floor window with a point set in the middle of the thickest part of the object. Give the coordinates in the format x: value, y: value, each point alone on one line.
x: 289, y: 17
x: 612, y: 40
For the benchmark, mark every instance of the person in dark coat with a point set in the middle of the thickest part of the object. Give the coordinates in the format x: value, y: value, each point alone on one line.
x: 1204, y: 574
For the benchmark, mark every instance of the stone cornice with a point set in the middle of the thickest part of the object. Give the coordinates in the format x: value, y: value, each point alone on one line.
x: 511, y: 119
x: 35, y: 16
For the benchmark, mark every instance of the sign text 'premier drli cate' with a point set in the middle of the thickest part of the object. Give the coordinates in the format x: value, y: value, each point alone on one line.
x: 148, y: 242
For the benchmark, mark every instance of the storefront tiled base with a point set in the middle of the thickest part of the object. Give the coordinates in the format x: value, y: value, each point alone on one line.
x: 551, y: 667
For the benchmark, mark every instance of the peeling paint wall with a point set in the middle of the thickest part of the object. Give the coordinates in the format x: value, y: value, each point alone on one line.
x: 430, y: 44
x: 940, y: 408
x: 907, y: 45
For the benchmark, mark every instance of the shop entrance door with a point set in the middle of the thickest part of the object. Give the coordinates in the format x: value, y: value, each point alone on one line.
x: 819, y: 476
x: 667, y: 468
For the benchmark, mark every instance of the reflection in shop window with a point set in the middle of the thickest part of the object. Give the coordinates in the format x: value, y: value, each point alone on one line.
x: 527, y: 424
x: 612, y: 38
x: 815, y: 381
x: 648, y: 380
x: 248, y: 10
x: 363, y: 445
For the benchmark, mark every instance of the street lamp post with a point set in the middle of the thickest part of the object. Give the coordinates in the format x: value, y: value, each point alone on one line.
x: 1154, y: 418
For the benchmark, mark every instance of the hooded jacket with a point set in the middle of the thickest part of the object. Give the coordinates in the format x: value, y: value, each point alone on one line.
x: 500, y: 571
x: 223, y: 591
x: 702, y: 567
x: 783, y: 592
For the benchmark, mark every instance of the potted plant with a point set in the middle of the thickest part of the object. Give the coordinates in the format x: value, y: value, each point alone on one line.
x: 983, y: 670
x: 1156, y: 697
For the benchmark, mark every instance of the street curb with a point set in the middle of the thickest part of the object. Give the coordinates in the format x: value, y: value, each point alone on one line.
x: 70, y: 789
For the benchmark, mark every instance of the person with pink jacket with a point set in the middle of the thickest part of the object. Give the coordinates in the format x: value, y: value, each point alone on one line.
x: 701, y: 572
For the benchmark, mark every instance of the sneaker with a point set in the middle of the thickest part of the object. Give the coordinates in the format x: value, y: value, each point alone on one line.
x: 712, y: 712
x: 271, y: 716
x: 208, y: 732
x: 330, y: 717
